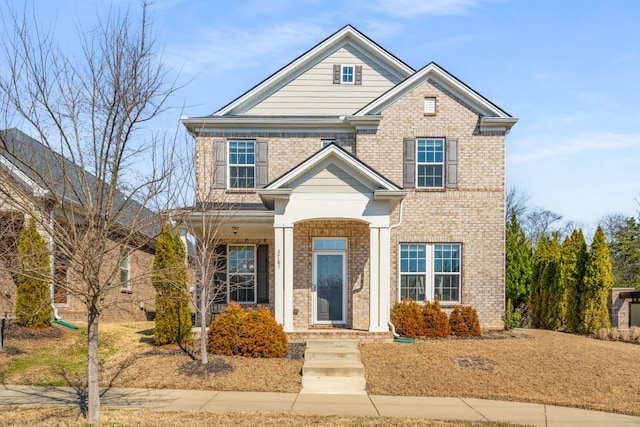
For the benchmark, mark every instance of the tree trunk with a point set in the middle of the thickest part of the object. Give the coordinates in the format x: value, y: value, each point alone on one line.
x: 203, y: 330
x: 93, y: 386
x: 2, y: 335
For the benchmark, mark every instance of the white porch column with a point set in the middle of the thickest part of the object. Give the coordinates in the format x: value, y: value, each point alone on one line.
x: 288, y: 278
x: 374, y: 279
x: 278, y: 298
x: 385, y: 278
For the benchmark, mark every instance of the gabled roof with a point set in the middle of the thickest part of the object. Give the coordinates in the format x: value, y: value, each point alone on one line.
x: 439, y: 75
x: 346, y: 35
x: 382, y: 187
x: 43, y: 171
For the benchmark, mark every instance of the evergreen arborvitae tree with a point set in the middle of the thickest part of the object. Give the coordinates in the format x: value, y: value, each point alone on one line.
x: 547, y: 293
x: 33, y: 297
x: 518, y: 263
x: 574, y: 258
x: 173, y: 314
x: 598, y: 282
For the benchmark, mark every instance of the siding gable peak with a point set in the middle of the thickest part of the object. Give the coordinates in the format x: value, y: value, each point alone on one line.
x: 374, y: 70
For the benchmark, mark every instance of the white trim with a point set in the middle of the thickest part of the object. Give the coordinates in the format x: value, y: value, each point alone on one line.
x: 348, y: 34
x: 444, y: 78
x: 442, y: 163
x: 228, y: 164
x: 353, y: 74
x: 430, y: 273
x: 288, y: 279
x: 322, y: 155
x: 345, y: 281
x: 37, y: 190
x: 254, y: 274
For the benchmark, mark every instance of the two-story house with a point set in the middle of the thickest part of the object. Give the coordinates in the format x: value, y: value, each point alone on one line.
x: 347, y: 181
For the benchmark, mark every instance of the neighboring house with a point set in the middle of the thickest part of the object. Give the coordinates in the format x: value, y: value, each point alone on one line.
x: 348, y: 181
x: 23, y: 194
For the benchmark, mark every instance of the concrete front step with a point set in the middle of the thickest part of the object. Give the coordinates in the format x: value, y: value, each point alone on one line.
x: 332, y: 343
x: 333, y: 368
x: 332, y: 354
x: 333, y: 385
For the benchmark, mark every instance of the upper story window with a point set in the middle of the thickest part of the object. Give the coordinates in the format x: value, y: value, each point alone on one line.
x: 428, y: 271
x: 326, y: 142
x: 242, y: 164
x: 430, y: 162
x: 347, y: 74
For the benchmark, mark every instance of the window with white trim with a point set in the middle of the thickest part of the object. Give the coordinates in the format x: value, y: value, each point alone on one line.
x: 430, y: 270
x: 347, y: 74
x: 241, y: 283
x: 242, y: 164
x: 430, y: 162
x: 125, y: 273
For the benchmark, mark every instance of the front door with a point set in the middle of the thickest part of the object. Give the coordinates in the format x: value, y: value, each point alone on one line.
x: 329, y: 281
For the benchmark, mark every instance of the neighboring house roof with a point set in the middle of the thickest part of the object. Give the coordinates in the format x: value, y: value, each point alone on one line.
x: 43, y: 171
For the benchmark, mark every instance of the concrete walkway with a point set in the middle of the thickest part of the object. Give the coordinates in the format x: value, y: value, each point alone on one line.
x: 441, y: 408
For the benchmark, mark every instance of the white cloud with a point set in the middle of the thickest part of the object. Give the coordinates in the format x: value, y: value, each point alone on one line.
x: 413, y: 8
x: 546, y: 147
x: 228, y: 48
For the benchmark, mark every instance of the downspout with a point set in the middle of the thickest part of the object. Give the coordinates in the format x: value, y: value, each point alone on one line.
x: 391, y: 227
x: 52, y: 260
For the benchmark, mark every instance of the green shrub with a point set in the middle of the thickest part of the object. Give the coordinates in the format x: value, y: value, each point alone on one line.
x: 435, y: 320
x: 408, y: 319
x: 253, y: 333
x: 511, y: 317
x: 463, y: 321
x: 173, y: 312
x: 33, y: 297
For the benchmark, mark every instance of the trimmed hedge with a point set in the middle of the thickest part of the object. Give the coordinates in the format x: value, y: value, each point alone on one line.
x: 464, y: 322
x: 253, y: 333
x: 435, y: 320
x: 408, y: 319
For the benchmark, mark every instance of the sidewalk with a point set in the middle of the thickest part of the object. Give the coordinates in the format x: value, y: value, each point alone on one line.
x: 441, y: 408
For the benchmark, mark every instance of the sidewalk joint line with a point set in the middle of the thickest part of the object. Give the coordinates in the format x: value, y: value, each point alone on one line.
x: 373, y: 404
x: 469, y: 405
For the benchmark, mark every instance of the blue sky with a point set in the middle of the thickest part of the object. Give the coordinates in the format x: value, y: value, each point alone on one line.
x: 568, y: 69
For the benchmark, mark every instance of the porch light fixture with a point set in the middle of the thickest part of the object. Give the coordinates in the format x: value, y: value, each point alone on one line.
x: 235, y: 229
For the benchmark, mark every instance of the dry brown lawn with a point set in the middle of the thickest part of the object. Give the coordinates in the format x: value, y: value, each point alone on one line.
x: 45, y: 417
x: 531, y: 366
x: 541, y: 367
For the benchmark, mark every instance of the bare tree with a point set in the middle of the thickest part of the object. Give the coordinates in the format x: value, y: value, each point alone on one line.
x: 208, y: 227
x: 87, y: 111
x: 516, y: 201
x: 541, y: 222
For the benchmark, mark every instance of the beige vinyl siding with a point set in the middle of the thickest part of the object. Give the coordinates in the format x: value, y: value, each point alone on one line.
x: 313, y: 92
x: 331, y: 179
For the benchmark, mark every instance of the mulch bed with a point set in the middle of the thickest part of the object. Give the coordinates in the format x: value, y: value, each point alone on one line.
x: 13, y: 331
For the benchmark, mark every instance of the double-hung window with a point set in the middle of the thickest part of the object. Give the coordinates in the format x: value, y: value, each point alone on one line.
x: 242, y: 274
x: 428, y: 271
x: 430, y: 162
x: 242, y: 164
x: 348, y: 74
